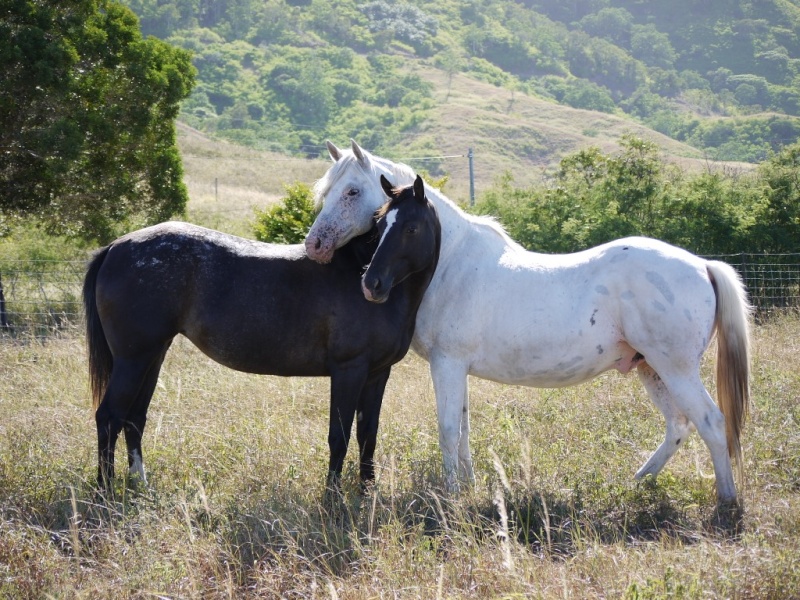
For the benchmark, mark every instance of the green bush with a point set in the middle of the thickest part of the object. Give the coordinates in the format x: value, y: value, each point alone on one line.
x: 288, y: 221
x: 595, y: 197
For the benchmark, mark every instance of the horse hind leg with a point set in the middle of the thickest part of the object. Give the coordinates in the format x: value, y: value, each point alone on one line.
x: 678, y: 425
x: 137, y: 418
x: 693, y: 400
x: 124, y: 386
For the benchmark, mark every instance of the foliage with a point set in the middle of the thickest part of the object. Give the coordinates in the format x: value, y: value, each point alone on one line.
x: 288, y: 221
x: 595, y: 198
x: 272, y: 72
x: 87, y: 113
x: 777, y: 225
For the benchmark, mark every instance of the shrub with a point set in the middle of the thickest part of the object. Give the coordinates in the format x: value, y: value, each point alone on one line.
x: 288, y: 221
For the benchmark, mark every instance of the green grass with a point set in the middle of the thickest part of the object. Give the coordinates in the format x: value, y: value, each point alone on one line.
x: 237, y: 465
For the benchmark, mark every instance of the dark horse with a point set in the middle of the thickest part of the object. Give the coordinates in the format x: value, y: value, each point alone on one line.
x: 258, y: 308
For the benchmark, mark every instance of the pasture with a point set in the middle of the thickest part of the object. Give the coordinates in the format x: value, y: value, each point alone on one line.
x: 237, y: 463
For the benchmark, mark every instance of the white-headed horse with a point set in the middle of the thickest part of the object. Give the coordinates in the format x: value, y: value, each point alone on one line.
x: 500, y: 312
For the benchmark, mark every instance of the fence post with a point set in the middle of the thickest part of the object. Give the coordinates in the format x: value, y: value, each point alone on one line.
x: 3, y: 315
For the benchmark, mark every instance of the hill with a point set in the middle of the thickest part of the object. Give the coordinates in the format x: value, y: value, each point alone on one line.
x: 518, y: 133
x: 284, y: 75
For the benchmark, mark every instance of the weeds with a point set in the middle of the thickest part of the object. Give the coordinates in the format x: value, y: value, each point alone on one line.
x: 237, y: 465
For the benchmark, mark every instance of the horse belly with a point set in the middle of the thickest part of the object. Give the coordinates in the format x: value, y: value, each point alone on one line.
x: 549, y: 365
x: 261, y: 351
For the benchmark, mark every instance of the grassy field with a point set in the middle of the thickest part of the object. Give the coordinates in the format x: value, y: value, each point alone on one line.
x: 237, y: 465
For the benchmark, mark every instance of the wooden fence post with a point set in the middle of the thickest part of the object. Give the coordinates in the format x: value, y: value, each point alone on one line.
x: 3, y: 315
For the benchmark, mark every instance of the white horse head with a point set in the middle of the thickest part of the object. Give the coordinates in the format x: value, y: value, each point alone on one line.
x: 349, y: 194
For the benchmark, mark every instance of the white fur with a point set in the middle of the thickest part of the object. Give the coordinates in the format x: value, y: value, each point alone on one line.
x: 137, y: 468
x: 390, y: 218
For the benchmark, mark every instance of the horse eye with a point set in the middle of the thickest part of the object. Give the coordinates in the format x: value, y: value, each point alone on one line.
x: 412, y: 229
x: 352, y: 192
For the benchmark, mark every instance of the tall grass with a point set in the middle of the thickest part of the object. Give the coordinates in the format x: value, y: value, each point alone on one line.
x: 236, y: 465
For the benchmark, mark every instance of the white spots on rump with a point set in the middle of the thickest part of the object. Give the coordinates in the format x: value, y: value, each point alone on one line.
x: 661, y: 285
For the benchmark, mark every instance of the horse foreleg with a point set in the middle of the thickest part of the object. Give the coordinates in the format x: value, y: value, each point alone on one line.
x: 678, y: 426
x: 367, y: 419
x: 450, y: 386
x: 465, y: 471
x: 347, y: 383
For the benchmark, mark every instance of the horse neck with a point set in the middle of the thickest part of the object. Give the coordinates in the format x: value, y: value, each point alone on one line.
x: 413, y: 290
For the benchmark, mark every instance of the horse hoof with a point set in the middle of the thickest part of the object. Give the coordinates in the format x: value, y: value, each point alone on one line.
x: 367, y: 488
x: 727, y: 518
x: 333, y: 490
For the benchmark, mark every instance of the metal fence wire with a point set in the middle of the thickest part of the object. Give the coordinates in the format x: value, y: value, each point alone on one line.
x: 43, y: 297
x: 772, y: 280
x: 40, y: 297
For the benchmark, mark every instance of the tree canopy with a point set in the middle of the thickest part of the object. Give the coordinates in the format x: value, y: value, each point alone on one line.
x: 596, y: 197
x: 87, y: 118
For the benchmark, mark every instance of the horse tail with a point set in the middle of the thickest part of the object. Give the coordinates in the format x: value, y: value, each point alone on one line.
x: 100, y: 358
x: 732, y: 322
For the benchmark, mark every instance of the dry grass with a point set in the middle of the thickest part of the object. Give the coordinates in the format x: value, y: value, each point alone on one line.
x: 237, y: 464
x: 526, y: 135
x: 227, y: 182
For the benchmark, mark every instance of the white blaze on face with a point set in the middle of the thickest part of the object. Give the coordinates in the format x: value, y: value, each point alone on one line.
x: 391, y: 217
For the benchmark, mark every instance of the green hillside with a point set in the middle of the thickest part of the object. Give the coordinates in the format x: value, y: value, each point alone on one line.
x: 433, y: 78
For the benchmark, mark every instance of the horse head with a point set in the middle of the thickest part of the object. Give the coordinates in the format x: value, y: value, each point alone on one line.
x: 349, y: 194
x: 410, y: 238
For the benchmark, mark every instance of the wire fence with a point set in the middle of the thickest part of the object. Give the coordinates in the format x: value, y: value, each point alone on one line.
x: 42, y: 298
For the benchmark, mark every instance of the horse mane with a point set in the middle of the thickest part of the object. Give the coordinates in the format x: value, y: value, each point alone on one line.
x: 402, y: 175
x: 480, y: 221
x: 391, y: 203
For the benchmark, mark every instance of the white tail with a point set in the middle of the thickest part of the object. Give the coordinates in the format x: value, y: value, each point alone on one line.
x: 733, y: 354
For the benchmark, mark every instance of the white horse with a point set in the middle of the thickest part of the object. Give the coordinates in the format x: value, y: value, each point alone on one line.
x: 500, y: 312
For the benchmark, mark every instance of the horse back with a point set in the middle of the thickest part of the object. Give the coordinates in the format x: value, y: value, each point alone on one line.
x: 254, y: 307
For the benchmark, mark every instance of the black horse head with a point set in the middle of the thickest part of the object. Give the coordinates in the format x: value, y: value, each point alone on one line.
x: 410, y: 238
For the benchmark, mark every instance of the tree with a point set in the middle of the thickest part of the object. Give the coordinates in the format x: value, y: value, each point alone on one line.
x: 87, y: 111
x: 777, y: 228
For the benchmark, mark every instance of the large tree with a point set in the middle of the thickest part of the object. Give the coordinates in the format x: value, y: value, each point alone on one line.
x: 87, y: 117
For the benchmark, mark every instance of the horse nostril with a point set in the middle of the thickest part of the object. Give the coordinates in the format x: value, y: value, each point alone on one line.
x: 318, y: 244
x: 377, y: 285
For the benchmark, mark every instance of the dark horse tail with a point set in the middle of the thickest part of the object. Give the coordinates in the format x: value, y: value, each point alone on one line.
x: 100, y: 358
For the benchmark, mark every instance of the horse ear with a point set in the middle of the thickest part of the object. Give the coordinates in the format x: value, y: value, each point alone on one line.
x: 357, y: 151
x: 387, y: 186
x: 419, y: 190
x: 335, y: 153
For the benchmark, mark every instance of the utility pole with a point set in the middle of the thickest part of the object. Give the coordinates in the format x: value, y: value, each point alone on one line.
x: 471, y: 179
